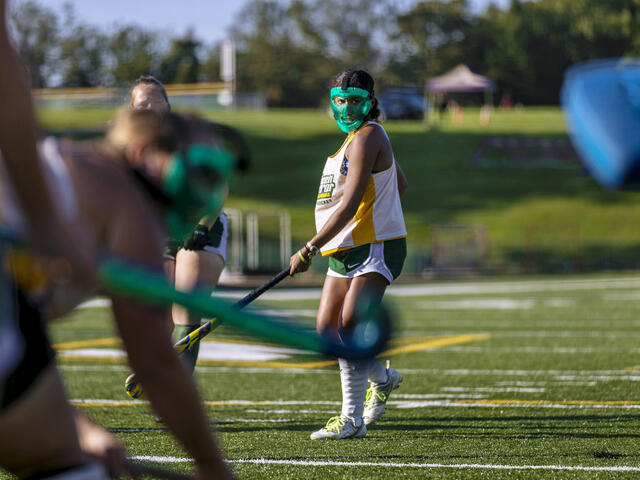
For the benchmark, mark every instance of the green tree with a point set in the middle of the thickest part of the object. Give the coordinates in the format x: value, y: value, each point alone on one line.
x: 83, y: 60
x: 291, y: 55
x: 181, y: 63
x: 429, y: 39
x: 210, y: 67
x: 548, y: 36
x: 37, y: 36
x: 133, y: 52
x: 270, y: 60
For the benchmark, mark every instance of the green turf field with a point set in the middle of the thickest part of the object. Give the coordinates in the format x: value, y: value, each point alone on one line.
x: 539, y: 218
x: 502, y: 379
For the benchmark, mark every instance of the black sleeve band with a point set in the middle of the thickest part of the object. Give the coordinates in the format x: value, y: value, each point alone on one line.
x: 37, y: 356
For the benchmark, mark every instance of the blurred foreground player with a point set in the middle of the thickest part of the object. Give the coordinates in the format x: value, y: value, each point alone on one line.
x: 112, y: 196
x: 40, y: 433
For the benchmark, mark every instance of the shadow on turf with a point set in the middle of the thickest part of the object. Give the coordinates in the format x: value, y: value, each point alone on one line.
x: 563, y: 426
x: 234, y: 427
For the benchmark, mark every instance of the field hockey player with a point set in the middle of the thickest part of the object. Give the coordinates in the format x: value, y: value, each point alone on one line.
x: 361, y: 228
x: 198, y: 260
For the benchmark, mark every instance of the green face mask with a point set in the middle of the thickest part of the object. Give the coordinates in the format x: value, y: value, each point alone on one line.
x: 350, y: 107
x: 195, y: 181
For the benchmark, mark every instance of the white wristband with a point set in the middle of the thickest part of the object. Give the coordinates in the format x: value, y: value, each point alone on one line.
x: 313, y: 250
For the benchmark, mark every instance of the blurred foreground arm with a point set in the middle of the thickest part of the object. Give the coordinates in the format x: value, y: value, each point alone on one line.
x: 18, y: 147
x: 146, y: 337
x: 101, y: 444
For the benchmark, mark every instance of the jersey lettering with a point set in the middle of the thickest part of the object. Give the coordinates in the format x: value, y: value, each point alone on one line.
x: 327, y: 185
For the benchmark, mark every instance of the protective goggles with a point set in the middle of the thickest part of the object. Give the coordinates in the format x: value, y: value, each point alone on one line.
x: 350, y: 106
x: 196, y: 182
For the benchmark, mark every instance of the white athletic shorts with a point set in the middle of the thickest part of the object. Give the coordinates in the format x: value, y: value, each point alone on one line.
x: 386, y: 258
x: 219, y: 233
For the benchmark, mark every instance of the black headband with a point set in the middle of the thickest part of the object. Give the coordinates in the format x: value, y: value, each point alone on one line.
x: 346, y: 80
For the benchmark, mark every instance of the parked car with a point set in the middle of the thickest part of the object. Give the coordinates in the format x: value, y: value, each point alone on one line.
x: 400, y: 103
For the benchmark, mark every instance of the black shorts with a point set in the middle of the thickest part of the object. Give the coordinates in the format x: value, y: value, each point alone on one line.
x: 38, y: 353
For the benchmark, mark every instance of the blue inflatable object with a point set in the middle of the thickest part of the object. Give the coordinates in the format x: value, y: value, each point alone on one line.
x: 601, y: 102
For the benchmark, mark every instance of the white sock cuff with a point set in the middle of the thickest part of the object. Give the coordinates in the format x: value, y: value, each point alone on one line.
x: 377, y: 372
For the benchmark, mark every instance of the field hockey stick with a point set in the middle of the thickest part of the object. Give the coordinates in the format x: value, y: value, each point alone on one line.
x: 137, y: 469
x: 199, y: 333
x: 131, y: 386
x: 367, y: 339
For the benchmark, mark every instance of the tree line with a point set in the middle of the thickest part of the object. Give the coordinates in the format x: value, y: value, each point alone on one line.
x: 290, y: 49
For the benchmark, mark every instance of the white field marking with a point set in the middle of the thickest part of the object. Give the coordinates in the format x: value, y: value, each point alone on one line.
x: 477, y: 304
x: 494, y: 304
x: 560, y: 375
x: 599, y: 378
x: 513, y: 333
x: 495, y: 389
x: 510, y: 404
x: 239, y: 403
x: 98, y: 302
x: 250, y: 420
x: 424, y: 396
x: 457, y: 288
x: 206, y: 369
x: 281, y: 411
x: 220, y: 351
x: 199, y: 369
x: 107, y: 402
x: 576, y: 384
x: 525, y: 349
x: 559, y: 302
x: 525, y: 286
x: 287, y: 313
x: 137, y: 430
x: 94, y: 368
x: 622, y: 296
x: 266, y: 370
x: 467, y: 288
x: 564, y: 334
x: 458, y: 402
x: 459, y: 466
x: 518, y: 383
x: 542, y: 384
x: 93, y: 353
x: 518, y: 373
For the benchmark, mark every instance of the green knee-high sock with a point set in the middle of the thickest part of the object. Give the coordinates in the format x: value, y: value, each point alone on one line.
x: 190, y: 355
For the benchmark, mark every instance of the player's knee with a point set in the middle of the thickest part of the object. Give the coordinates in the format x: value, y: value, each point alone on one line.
x: 325, y: 323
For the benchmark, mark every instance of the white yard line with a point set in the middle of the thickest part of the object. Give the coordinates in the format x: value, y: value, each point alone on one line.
x: 557, y: 375
x: 515, y: 333
x: 460, y: 401
x: 511, y: 404
x: 325, y: 463
x: 433, y: 289
x: 495, y: 389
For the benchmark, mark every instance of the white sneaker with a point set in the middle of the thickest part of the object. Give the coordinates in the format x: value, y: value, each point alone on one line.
x: 338, y: 428
x: 375, y: 402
